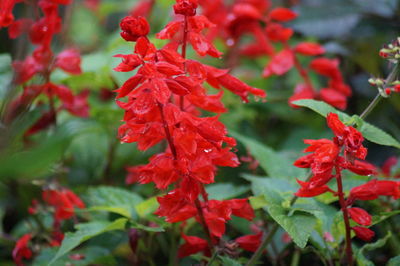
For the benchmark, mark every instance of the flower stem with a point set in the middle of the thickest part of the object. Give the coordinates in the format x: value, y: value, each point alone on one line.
x: 183, y: 53
x: 204, y: 224
x: 264, y: 244
x: 349, y: 252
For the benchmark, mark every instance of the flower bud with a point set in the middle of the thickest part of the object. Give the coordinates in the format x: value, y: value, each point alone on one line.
x: 185, y: 7
x: 363, y: 233
x: 360, y: 216
x: 133, y: 28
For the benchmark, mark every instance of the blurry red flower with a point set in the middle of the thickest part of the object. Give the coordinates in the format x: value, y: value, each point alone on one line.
x: 21, y: 250
x: 363, y: 233
x: 250, y: 242
x: 133, y: 28
x: 360, y: 216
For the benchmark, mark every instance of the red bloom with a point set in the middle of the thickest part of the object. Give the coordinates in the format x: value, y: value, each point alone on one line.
x: 309, y: 48
x: 326, y: 67
x: 375, y: 188
x: 133, y: 28
x: 69, y: 60
x: 282, y: 14
x: 333, y: 97
x: 363, y: 233
x: 360, y: 216
x: 278, y: 33
x: 280, y: 63
x: 21, y: 250
x: 388, y: 165
x: 250, y: 242
x: 63, y: 201
x: 193, y: 245
x: 185, y: 7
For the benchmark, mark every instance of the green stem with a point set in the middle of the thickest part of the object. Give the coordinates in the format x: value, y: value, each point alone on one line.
x: 296, y: 258
x: 264, y: 244
x: 213, y: 258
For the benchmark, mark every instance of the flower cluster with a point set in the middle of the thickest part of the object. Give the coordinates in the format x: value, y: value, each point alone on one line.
x: 41, y: 64
x: 326, y: 156
x: 61, y: 202
x: 266, y: 24
x: 163, y: 102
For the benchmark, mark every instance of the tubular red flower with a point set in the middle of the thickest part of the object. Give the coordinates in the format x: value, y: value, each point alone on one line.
x: 133, y: 28
x: 363, y: 233
x: 360, y: 216
x: 21, y: 250
x: 250, y: 242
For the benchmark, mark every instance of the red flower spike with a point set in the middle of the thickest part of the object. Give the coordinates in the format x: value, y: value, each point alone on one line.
x: 133, y: 28
x: 193, y: 245
x: 21, y: 250
x: 63, y: 201
x: 282, y: 14
x: 250, y: 242
x: 309, y: 48
x: 360, y: 216
x: 363, y: 233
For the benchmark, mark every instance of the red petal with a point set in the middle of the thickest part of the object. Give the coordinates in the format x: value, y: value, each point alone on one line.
x: 309, y: 48
x: 282, y: 14
x: 281, y: 63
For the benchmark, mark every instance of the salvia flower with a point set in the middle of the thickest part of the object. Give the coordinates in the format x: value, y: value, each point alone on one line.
x: 21, y: 250
x: 134, y: 28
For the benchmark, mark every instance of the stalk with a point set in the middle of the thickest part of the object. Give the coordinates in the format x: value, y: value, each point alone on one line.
x: 349, y: 252
x: 183, y: 52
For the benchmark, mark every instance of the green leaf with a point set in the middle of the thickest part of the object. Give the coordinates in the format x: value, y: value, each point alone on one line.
x: 146, y: 207
x: 85, y: 232
x: 361, y: 259
x: 91, y: 256
x: 369, y: 131
x: 273, y: 163
x: 383, y: 216
x: 113, y: 199
x: 377, y: 135
x: 322, y: 108
x: 146, y: 228
x: 297, y: 221
x: 223, y: 191
x: 395, y: 261
x: 226, y: 261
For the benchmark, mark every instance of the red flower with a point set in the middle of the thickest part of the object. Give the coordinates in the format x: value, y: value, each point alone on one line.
x: 69, y: 60
x: 326, y: 67
x: 278, y: 33
x: 333, y: 97
x: 185, y: 7
x: 21, y: 249
x: 360, y: 216
x: 363, y: 233
x: 280, y: 63
x: 388, y: 165
x: 133, y: 28
x: 250, y: 242
x: 375, y: 188
x: 309, y: 48
x: 282, y: 14
x: 193, y: 245
x: 63, y: 201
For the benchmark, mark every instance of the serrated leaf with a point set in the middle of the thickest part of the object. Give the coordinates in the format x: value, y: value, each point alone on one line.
x: 113, y: 199
x: 297, y: 221
x: 226, y: 261
x: 369, y: 131
x: 395, y: 261
x: 273, y: 163
x: 223, y: 191
x: 85, y: 232
x: 361, y: 259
